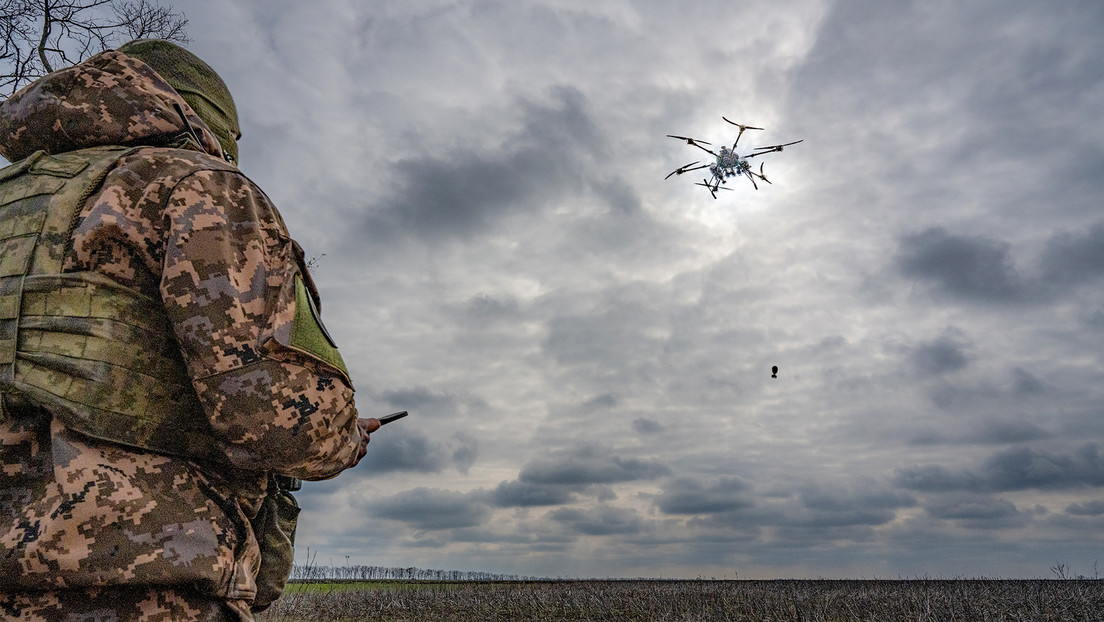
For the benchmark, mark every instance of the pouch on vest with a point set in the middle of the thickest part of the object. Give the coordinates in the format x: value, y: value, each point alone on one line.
x: 274, y: 527
x: 99, y: 356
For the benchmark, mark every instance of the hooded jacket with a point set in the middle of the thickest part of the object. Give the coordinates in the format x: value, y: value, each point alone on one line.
x: 173, y: 220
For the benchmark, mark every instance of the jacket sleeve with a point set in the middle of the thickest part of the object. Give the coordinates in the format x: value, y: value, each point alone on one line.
x: 230, y: 280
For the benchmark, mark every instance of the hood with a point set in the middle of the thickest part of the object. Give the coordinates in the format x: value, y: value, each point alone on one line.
x: 109, y: 99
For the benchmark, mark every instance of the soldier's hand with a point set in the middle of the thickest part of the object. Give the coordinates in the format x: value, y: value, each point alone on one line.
x: 367, y: 426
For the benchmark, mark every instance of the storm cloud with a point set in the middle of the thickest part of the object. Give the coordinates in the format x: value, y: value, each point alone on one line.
x: 431, y: 509
x: 688, y: 496
x: 461, y: 191
x: 589, y: 465
x: 1017, y: 468
x: 972, y: 268
x: 414, y: 451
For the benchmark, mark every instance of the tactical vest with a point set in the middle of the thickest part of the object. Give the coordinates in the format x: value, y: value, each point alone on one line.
x: 99, y: 356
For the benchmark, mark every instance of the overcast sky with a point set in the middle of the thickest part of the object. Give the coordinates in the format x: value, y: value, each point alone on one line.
x: 585, y: 348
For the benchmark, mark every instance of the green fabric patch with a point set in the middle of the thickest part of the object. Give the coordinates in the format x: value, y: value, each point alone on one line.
x: 307, y: 332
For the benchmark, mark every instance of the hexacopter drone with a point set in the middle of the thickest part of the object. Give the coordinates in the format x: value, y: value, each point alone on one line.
x: 728, y: 163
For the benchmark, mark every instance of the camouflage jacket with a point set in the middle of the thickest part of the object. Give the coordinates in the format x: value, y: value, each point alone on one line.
x: 183, y: 225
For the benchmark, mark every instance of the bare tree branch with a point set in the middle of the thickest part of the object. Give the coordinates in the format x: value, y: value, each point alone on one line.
x: 144, y: 18
x: 38, y: 36
x: 17, y: 29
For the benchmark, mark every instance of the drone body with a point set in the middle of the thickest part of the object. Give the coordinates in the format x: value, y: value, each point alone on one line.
x: 728, y: 163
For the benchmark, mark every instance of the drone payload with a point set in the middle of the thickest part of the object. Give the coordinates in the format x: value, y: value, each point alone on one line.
x: 728, y: 163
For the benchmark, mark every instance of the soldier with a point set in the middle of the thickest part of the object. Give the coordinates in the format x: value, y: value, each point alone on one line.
x: 164, y: 374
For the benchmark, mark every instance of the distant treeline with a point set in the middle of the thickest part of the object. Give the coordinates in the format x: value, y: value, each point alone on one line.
x: 310, y: 572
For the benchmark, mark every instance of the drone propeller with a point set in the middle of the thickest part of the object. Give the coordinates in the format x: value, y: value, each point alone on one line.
x: 779, y: 147
x: 689, y: 141
x: 762, y: 176
x: 695, y: 142
x: 713, y: 188
x: 773, y: 148
x: 742, y: 128
x: 686, y: 168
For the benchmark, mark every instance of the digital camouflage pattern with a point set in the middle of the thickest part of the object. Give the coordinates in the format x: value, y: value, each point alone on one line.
x: 109, y: 99
x: 104, y: 605
x: 187, y: 228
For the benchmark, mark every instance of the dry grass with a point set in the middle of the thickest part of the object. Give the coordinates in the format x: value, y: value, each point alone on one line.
x: 693, y: 601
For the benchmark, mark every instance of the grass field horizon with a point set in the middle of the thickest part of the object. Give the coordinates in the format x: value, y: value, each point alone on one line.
x: 690, y: 600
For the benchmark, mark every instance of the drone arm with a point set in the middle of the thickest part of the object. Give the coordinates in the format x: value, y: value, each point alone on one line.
x: 709, y: 151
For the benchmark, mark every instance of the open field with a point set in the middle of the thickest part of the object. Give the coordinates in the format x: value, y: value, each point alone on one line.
x: 692, y: 601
